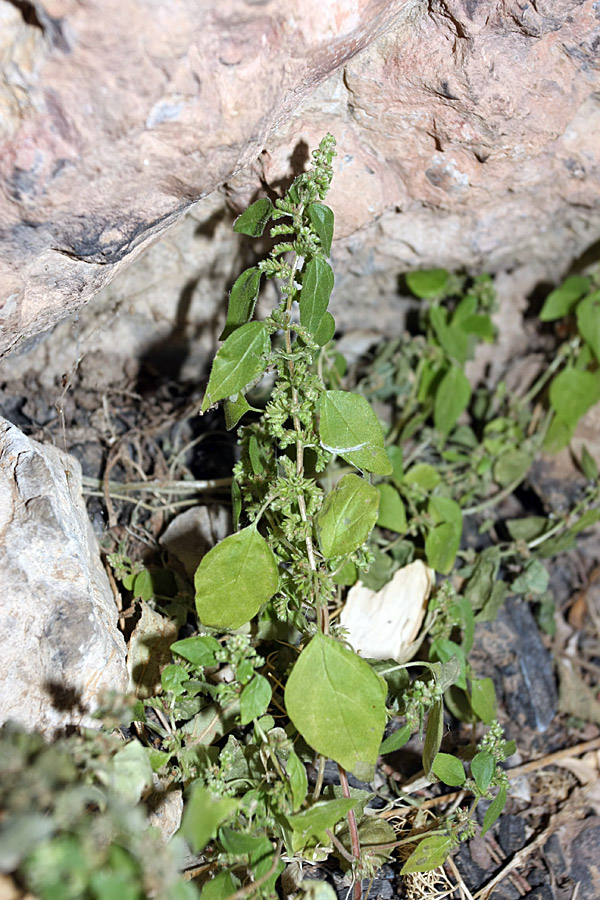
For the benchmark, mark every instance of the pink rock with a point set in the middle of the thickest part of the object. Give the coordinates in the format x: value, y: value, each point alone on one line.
x: 467, y: 132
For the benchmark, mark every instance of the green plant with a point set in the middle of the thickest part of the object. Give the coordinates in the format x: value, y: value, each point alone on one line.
x: 276, y: 579
x: 72, y: 825
x: 267, y: 690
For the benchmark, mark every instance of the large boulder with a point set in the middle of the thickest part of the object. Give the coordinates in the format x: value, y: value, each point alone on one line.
x: 61, y: 648
x: 117, y: 116
x: 467, y: 134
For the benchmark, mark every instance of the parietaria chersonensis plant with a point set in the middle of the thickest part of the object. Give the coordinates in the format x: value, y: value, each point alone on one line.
x: 283, y: 565
x: 267, y: 691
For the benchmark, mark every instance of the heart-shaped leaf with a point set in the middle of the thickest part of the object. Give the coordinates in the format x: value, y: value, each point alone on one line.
x: 253, y: 220
x: 234, y: 579
x: 337, y: 703
x: 239, y: 361
x: 350, y: 428
x: 321, y: 219
x: 242, y: 301
x: 348, y: 516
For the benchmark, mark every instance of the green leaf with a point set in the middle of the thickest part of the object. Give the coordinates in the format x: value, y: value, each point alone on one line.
x: 443, y: 649
x: 321, y: 219
x: 198, y: 650
x: 158, y: 758
x: 482, y: 326
x: 441, y: 545
x: 222, y: 886
x: 396, y: 740
x: 433, y: 735
x: 203, y: 814
x: 130, y: 772
x: 391, y: 509
x: 394, y: 454
x: 589, y: 518
x: 143, y: 586
x: 325, y: 331
x: 527, y: 529
x: 533, y: 579
x: 254, y: 452
x: 430, y: 854
x: 261, y: 862
x: 452, y: 338
x: 449, y: 672
x: 238, y: 843
x: 467, y: 620
x: 511, y: 466
x: 234, y: 410
x: 312, y: 822
x: 559, y: 435
x: 449, y: 769
x: 254, y: 219
x: 234, y: 579
x: 347, y: 516
x: 588, y: 464
x: 242, y: 301
x: 483, y: 769
x: 483, y: 699
x: 317, y: 284
x: 494, y: 810
x: 298, y: 779
x: 423, y: 475
x: 588, y: 321
x: 347, y: 575
x: 313, y: 889
x: 350, y: 428
x: 561, y: 301
x: 337, y: 703
x: 451, y: 399
x: 239, y: 361
x: 172, y: 678
x: 572, y: 393
x: 428, y: 283
x: 255, y: 699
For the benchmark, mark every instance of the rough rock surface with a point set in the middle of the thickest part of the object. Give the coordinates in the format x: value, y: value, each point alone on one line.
x: 117, y: 116
x: 58, y: 620
x: 468, y: 134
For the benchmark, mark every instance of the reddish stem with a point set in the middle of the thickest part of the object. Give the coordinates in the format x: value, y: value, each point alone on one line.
x: 352, y: 827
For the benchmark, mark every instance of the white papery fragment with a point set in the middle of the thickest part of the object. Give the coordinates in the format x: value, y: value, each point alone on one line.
x: 384, y: 624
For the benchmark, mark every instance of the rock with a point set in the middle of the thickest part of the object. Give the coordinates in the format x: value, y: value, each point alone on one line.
x: 165, y: 808
x: 58, y: 621
x: 119, y: 117
x: 193, y: 533
x: 510, y: 650
x: 481, y: 152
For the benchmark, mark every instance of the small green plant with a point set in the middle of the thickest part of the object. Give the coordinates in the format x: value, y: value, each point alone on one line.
x: 277, y: 577
x: 72, y: 825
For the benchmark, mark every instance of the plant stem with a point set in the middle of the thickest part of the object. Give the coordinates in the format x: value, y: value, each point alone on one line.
x: 353, y: 829
x: 549, y: 372
x: 296, y: 421
x: 320, y: 776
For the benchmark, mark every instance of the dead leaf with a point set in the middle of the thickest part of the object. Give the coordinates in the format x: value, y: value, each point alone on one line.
x: 575, y: 697
x: 149, y: 652
x: 384, y: 624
